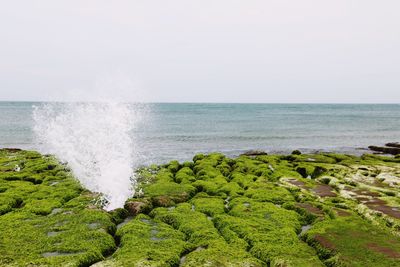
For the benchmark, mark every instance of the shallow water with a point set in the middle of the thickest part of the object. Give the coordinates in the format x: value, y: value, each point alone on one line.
x: 177, y: 131
x: 305, y: 228
x: 56, y: 253
x: 124, y: 222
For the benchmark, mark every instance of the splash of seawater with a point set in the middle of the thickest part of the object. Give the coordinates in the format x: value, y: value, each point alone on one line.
x: 94, y: 139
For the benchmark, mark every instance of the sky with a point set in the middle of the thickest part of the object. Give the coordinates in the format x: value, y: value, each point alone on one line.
x: 263, y: 51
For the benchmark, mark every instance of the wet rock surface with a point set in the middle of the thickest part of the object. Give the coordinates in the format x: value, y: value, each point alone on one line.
x: 256, y: 210
x: 389, y: 148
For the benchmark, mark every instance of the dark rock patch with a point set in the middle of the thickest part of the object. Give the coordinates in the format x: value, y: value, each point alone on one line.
x: 390, y: 211
x: 366, y: 193
x: 324, y: 242
x: 385, y: 150
x: 318, y: 171
x: 136, y: 207
x: 302, y: 171
x: 324, y: 191
x: 254, y: 153
x: 342, y: 213
x: 298, y: 183
x: 394, y: 144
x: 310, y: 208
x: 296, y: 152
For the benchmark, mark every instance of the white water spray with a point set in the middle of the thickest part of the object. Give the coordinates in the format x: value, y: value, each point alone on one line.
x: 94, y: 139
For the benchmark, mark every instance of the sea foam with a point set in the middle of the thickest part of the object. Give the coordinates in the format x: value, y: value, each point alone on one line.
x: 95, y: 140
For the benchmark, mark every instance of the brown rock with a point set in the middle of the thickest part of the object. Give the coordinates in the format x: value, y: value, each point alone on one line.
x: 384, y: 250
x: 163, y: 201
x: 324, y: 191
x: 298, y: 183
x: 324, y: 242
x: 342, y: 213
x: 136, y: 207
x: 311, y: 209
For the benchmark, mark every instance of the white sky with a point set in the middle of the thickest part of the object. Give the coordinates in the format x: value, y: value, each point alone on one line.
x: 201, y: 51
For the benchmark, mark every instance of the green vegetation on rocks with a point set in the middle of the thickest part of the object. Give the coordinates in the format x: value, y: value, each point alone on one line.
x: 47, y: 218
x: 258, y: 210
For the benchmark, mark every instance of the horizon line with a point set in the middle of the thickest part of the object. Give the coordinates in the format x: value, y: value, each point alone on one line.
x: 210, y: 102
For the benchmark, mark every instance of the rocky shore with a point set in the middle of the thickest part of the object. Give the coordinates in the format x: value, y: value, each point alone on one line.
x: 389, y: 148
x: 254, y: 210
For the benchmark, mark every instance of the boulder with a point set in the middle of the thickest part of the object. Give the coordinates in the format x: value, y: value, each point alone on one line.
x: 296, y: 152
x: 386, y: 150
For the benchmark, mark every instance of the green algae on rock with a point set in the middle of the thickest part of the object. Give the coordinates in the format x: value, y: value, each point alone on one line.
x: 47, y: 218
x: 258, y: 210
x: 272, y: 213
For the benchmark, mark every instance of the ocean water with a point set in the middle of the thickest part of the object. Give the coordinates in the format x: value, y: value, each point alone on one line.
x: 178, y: 131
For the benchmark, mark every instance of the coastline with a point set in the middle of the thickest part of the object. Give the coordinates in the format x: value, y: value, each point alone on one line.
x: 177, y: 131
x: 206, y: 211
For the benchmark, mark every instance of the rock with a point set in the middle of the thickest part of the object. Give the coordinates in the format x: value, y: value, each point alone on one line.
x: 386, y: 150
x: 289, y: 157
x: 163, y: 201
x: 296, y: 152
x: 302, y: 171
x: 318, y: 171
x: 254, y: 153
x: 136, y: 207
x: 269, y: 199
x: 394, y: 144
x: 119, y: 215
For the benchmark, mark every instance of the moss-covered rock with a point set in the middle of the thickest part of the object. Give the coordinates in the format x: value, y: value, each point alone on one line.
x: 264, y: 210
x: 49, y: 223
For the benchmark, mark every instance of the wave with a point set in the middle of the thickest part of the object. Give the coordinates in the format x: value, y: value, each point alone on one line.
x: 95, y: 140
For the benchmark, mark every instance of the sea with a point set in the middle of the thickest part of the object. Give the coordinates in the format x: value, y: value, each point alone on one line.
x: 169, y: 131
